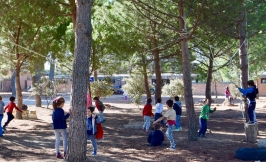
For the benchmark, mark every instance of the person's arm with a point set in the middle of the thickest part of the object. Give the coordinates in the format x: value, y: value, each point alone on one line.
x: 151, y: 110
x: 158, y: 120
x: 63, y: 116
x: 245, y: 91
x: 15, y: 106
x: 211, y: 111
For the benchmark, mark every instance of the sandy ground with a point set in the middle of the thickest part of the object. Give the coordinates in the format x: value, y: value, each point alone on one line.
x: 33, y: 140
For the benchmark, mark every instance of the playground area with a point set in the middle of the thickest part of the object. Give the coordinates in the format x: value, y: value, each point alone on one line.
x: 33, y: 140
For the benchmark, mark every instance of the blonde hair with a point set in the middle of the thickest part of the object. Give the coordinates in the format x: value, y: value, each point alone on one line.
x: 58, y: 101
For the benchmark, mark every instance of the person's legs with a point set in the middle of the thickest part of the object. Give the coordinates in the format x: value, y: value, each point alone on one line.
x: 1, y: 131
x: 201, y: 128
x: 178, y: 125
x: 148, y: 122
x: 251, y: 108
x: 9, y: 118
x: 64, y: 136
x: 57, y: 141
x: 93, y: 140
x: 169, y: 134
x: 204, y: 125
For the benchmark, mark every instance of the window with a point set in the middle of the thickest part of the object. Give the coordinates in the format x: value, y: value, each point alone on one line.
x: 263, y: 80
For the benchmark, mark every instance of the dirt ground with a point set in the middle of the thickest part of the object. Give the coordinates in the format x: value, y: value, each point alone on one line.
x: 33, y: 140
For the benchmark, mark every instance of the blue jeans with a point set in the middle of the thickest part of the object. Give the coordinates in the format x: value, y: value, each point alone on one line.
x: 157, y: 116
x: 1, y: 131
x: 203, y: 126
x: 147, y: 122
x: 93, y: 142
x: 169, y: 134
x: 58, y: 133
x: 177, y: 120
x: 9, y: 118
x: 251, y: 110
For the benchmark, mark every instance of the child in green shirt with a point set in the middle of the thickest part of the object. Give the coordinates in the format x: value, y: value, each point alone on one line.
x: 204, y: 117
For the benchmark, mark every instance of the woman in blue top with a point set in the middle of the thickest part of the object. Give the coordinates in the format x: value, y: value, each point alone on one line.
x: 59, y: 124
x: 251, y: 93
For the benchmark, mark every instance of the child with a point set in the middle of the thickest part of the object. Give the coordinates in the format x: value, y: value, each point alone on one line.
x: 92, y: 120
x: 228, y: 95
x: 251, y: 93
x: 2, y: 105
x: 10, y: 108
x: 147, y: 113
x: 59, y: 124
x: 156, y: 137
x: 100, y: 108
x: 204, y: 116
x: 178, y: 110
x: 170, y: 115
x: 158, y: 110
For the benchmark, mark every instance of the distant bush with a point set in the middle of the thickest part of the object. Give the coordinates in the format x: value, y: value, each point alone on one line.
x: 174, y: 88
x: 134, y: 87
x: 101, y: 88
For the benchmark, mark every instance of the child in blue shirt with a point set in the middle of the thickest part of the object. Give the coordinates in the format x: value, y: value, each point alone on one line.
x: 156, y: 137
x: 251, y: 93
x: 91, y: 122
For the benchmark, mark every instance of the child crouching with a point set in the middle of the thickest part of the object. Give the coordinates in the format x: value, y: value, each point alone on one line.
x: 91, y: 122
x: 156, y: 137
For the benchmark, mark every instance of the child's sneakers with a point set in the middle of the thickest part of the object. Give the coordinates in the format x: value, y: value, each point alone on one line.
x: 94, y: 153
x: 59, y: 156
x: 172, y: 149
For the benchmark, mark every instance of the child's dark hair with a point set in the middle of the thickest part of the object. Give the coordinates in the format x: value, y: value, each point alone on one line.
x: 251, y: 83
x: 96, y: 98
x: 91, y: 108
x: 176, y: 98
x: 1, y: 98
x: 159, y: 100
x: 12, y: 98
x: 149, y: 100
x: 157, y: 126
x: 170, y: 103
x: 58, y: 101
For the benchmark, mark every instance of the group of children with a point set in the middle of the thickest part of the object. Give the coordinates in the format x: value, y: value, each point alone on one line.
x: 59, y: 124
x: 172, y: 115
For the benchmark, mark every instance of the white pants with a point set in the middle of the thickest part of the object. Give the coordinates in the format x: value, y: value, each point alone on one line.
x: 58, y: 133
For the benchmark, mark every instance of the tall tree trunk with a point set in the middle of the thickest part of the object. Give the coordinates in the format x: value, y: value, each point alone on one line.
x: 38, y: 100
x: 157, y: 67
x: 83, y: 37
x: 209, y: 79
x: 146, y: 82
x: 215, y: 88
x: 18, y: 90
x: 13, y: 83
x: 95, y: 75
x: 243, y: 59
x: 191, y: 115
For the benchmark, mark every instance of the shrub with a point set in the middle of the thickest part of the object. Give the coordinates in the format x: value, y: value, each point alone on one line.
x: 174, y: 88
x: 134, y: 87
x: 101, y: 88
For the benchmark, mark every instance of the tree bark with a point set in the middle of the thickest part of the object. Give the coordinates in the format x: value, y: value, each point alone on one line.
x: 38, y: 100
x: 83, y: 37
x: 157, y: 67
x: 191, y: 115
x: 146, y: 82
x: 243, y: 59
x: 209, y: 79
x: 18, y: 90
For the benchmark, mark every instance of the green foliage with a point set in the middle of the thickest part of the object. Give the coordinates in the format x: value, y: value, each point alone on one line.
x: 134, y: 87
x: 101, y: 88
x: 174, y: 88
x: 234, y: 91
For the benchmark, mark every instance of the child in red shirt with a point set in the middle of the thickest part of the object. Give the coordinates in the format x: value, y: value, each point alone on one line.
x: 10, y: 108
x: 147, y: 113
